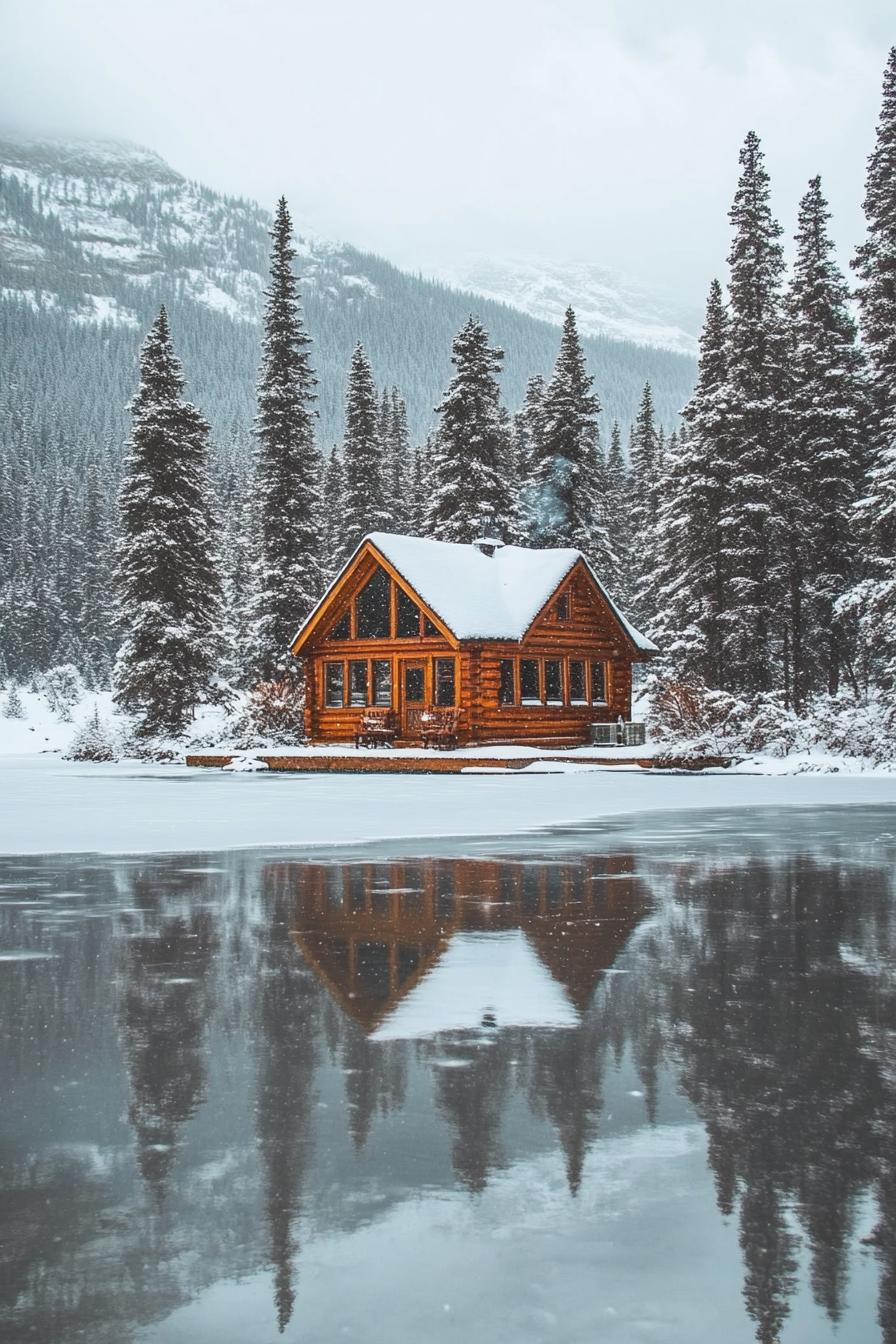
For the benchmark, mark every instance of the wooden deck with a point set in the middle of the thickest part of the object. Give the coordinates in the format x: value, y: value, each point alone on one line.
x: 364, y: 763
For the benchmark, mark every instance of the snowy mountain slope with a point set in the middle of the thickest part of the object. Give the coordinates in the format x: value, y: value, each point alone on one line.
x: 606, y: 303
x: 95, y: 235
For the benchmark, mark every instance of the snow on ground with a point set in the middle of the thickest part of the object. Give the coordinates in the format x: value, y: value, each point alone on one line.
x: 55, y: 806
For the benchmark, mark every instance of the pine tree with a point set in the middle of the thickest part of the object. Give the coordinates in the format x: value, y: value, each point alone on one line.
x: 874, y: 599
x: 397, y: 450
x: 94, y: 614
x: 467, y: 478
x: 288, y: 577
x: 565, y: 499
x: 417, y: 494
x: 756, y: 391
x: 821, y: 472
x: 12, y: 705
x: 167, y: 583
x: 692, y: 578
x: 526, y: 436
x: 363, y: 454
x: 619, y: 520
x: 335, y: 543
x: 645, y: 474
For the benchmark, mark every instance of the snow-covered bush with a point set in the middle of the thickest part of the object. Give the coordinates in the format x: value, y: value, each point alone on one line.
x: 12, y: 705
x: 847, y: 726
x: 694, y: 722
x: 95, y: 740
x: 63, y: 688
x: 276, y: 711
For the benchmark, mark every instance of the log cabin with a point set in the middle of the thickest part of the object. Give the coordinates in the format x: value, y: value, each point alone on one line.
x: 527, y: 644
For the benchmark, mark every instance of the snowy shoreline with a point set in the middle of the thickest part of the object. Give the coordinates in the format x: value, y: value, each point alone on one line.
x: 52, y: 806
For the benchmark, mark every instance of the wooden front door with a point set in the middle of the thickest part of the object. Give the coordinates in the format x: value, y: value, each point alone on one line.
x: 413, y: 695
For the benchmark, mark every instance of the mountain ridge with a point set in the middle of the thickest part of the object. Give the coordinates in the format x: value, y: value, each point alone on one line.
x: 96, y: 234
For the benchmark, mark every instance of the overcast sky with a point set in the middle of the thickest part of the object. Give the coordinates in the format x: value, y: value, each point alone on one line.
x: 577, y: 130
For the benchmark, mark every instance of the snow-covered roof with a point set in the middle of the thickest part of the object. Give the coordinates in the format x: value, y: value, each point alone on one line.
x: 494, y: 976
x: 479, y: 596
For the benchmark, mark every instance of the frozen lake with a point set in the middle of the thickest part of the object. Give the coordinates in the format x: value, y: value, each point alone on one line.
x: 621, y: 1081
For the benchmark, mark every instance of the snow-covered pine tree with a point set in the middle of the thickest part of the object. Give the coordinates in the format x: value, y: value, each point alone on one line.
x: 874, y: 599
x: 467, y: 477
x: 691, y: 583
x: 12, y: 705
x: 398, y: 462
x: 239, y: 547
x: 645, y: 472
x: 417, y: 490
x: 756, y: 393
x: 288, y: 574
x: 94, y: 613
x: 335, y: 546
x: 619, y: 522
x: 821, y: 473
x: 564, y: 498
x: 363, y: 503
x: 526, y: 435
x: 167, y: 583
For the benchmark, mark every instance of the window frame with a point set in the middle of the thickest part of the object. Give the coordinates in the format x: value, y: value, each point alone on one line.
x: 452, y: 704
x: 374, y: 578
x: 602, y: 664
x: 538, y: 699
x: 582, y: 699
x: 328, y: 664
x: 514, y: 683
x: 372, y: 681
x: 554, y: 701
x: 352, y: 664
x: 401, y: 595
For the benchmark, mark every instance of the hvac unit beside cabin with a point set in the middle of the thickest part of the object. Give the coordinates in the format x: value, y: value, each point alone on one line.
x: 618, y: 734
x: 604, y: 734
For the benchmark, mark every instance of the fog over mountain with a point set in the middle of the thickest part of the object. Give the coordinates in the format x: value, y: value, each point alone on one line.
x: 95, y: 235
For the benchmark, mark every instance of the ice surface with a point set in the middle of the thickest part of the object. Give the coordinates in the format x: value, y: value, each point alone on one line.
x: 54, y: 806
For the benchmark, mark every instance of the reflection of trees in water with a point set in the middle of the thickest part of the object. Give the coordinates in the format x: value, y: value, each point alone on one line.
x: 778, y: 1040
x: 740, y: 990
x: 771, y: 1037
x: 287, y: 1048
x: 164, y: 1009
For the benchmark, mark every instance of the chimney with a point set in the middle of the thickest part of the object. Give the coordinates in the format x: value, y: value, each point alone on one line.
x: 488, y: 541
x: 487, y: 545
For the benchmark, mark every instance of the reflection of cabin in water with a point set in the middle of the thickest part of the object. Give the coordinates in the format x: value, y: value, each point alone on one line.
x: 387, y: 940
x: 526, y: 643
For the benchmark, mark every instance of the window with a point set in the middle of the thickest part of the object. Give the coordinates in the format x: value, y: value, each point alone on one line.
x: 530, y: 682
x: 382, y: 682
x: 372, y: 607
x: 577, y: 693
x: 428, y: 627
x: 414, y: 685
x: 357, y: 683
x: 444, y: 681
x: 335, y: 683
x: 553, y: 681
x: 598, y: 683
x: 563, y: 607
x: 507, y: 694
x: 408, y: 623
x: 342, y: 628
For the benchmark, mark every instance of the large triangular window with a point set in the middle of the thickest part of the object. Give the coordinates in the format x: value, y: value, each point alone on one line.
x: 373, y: 607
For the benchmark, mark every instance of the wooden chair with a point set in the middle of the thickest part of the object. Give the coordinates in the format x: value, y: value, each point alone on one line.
x: 377, y: 728
x: 439, y: 728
